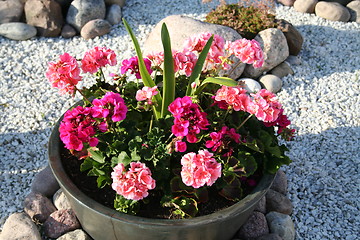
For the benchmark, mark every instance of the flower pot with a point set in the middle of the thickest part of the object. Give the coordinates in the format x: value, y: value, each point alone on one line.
x: 103, y: 223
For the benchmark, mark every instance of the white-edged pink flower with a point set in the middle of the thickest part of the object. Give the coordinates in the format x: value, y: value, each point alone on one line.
x: 248, y: 51
x: 199, y: 169
x: 133, y: 184
x: 146, y: 94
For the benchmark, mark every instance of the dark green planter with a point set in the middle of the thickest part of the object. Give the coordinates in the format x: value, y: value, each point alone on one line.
x: 103, y: 223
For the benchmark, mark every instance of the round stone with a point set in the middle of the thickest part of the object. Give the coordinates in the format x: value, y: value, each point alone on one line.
x: 271, y: 82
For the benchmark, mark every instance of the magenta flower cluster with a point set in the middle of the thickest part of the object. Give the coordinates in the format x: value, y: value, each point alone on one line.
x: 189, y: 120
x: 132, y: 65
x: 133, y: 184
x: 96, y: 58
x: 221, y: 140
x: 80, y: 125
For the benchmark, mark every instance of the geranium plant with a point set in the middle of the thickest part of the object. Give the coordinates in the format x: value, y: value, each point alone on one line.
x: 178, y: 134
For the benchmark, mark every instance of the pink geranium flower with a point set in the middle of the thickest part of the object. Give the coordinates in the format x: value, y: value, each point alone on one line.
x: 248, y: 51
x: 146, y: 94
x: 64, y: 74
x: 266, y: 107
x: 133, y: 184
x: 96, y: 58
x: 112, y: 105
x: 132, y: 65
x: 199, y: 169
x: 184, y: 62
x: 236, y: 97
x: 78, y: 127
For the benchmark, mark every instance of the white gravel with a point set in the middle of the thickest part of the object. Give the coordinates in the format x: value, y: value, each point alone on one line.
x: 322, y: 99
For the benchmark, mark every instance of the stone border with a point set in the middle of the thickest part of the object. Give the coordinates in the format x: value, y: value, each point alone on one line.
x: 46, y: 208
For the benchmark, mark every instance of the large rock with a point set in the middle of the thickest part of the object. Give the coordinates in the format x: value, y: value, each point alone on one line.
x: 60, y: 222
x: 282, y: 70
x: 82, y: 11
x: 294, y: 38
x: 45, y: 15
x: 332, y: 11
x: 280, y: 183
x: 17, y: 31
x: 78, y: 234
x: 342, y: 2
x: 11, y: 11
x: 60, y: 201
x: 45, y: 183
x: 278, y: 202
x: 38, y: 207
x: 276, y: 50
x: 68, y: 31
x: 19, y: 226
x: 114, y: 14
x: 271, y: 82
x: 181, y: 27
x: 354, y: 9
x: 95, y: 28
x: 305, y: 6
x: 281, y: 224
x: 255, y: 226
x: 121, y: 3
x: 289, y: 3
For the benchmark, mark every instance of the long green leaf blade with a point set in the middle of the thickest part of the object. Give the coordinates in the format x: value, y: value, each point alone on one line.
x: 169, y: 75
x: 217, y: 80
x: 145, y: 76
x: 199, y: 65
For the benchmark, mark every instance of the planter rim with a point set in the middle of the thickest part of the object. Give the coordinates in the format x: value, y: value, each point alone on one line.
x: 65, y: 182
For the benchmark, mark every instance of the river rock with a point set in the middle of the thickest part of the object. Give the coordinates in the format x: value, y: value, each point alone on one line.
x: 17, y: 30
x: 254, y: 227
x: 354, y: 9
x: 60, y: 222
x: 342, y: 2
x: 278, y: 202
x: 78, y: 234
x: 11, y: 11
x: 251, y: 85
x: 45, y: 15
x: 19, y: 226
x: 121, y: 3
x: 305, y: 6
x: 60, y: 200
x: 282, y: 70
x: 114, y: 14
x: 294, y: 60
x: 261, y: 206
x: 45, y: 183
x: 289, y: 3
x: 281, y: 224
x: 68, y: 31
x: 181, y: 27
x: 95, y: 28
x: 293, y: 37
x: 82, y: 11
x: 38, y: 207
x: 280, y: 182
x: 276, y: 50
x: 332, y: 11
x: 271, y: 82
x: 270, y: 236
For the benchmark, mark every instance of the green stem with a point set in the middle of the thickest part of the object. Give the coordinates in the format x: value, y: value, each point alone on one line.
x: 244, y: 121
x: 233, y: 69
x: 86, y: 99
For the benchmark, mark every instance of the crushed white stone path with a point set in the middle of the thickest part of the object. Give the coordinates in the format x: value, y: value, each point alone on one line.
x: 321, y: 98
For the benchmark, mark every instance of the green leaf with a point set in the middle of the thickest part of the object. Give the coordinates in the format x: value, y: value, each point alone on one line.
x: 97, y: 156
x: 169, y: 76
x: 195, y: 75
x: 127, y: 206
x: 86, y: 165
x: 232, y: 191
x: 145, y: 76
x: 124, y: 158
x: 248, y: 162
x: 102, y: 181
x: 135, y: 156
x: 217, y: 80
x: 177, y: 185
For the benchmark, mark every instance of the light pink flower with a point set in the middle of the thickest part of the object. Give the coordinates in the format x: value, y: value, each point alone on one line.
x: 235, y: 97
x: 267, y: 108
x: 199, y: 169
x: 248, y: 51
x: 157, y: 58
x: 64, y: 74
x: 184, y: 62
x: 146, y: 93
x: 133, y: 184
x: 96, y: 58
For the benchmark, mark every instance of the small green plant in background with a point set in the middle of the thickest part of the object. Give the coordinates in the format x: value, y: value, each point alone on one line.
x: 248, y: 17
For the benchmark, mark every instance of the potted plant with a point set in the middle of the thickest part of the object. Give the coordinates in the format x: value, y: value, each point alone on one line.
x: 173, y: 152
